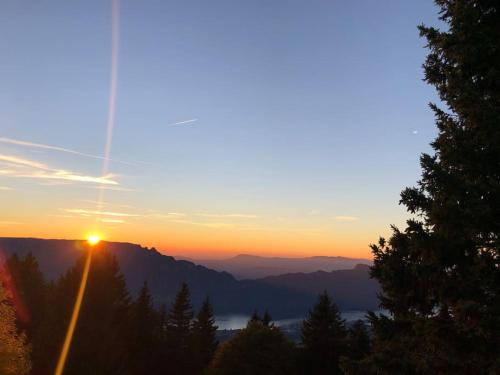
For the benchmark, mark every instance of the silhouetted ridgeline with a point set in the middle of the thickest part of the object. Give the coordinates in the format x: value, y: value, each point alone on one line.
x: 353, y: 288
x: 245, y: 266
x: 164, y: 275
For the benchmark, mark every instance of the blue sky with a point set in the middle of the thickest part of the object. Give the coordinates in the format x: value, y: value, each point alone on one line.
x: 303, y: 111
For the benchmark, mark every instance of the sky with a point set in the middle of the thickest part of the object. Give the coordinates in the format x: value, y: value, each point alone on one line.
x: 263, y: 127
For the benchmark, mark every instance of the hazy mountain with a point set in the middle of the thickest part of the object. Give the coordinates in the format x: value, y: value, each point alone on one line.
x: 339, y: 284
x: 165, y: 274
x: 246, y: 266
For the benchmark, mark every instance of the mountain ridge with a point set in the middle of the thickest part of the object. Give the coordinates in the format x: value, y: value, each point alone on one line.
x: 247, y: 266
x: 165, y: 274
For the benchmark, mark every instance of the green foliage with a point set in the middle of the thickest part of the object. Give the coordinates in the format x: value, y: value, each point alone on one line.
x: 14, y: 351
x: 441, y: 275
x: 323, y: 338
x: 257, y: 349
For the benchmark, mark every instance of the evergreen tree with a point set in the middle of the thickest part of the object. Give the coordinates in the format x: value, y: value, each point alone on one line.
x: 31, y: 288
x: 144, y: 338
x: 255, y: 317
x: 204, y: 341
x: 257, y: 349
x: 267, y: 319
x: 323, y: 338
x: 179, y: 325
x: 358, y: 340
x: 32, y: 294
x: 162, y: 350
x: 14, y: 351
x: 162, y: 323
x: 441, y: 275
x: 101, y: 337
x: 358, y: 348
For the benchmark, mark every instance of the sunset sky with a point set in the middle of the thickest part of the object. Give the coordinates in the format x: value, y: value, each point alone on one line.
x: 264, y: 127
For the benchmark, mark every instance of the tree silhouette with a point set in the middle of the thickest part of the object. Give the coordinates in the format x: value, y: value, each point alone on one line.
x: 257, y: 349
x: 204, y: 341
x: 32, y: 292
x: 267, y: 319
x: 101, y: 336
x: 179, y: 324
x: 31, y: 288
x: 144, y: 338
x: 323, y: 337
x: 255, y: 317
x: 441, y: 275
x: 358, y: 340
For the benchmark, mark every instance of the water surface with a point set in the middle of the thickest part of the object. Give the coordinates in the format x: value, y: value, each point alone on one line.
x: 240, y: 321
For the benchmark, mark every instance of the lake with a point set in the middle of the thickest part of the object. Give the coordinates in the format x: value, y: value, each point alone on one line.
x: 240, y: 321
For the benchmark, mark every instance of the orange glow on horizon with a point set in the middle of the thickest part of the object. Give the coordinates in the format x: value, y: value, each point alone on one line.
x: 93, y: 239
x: 178, y: 239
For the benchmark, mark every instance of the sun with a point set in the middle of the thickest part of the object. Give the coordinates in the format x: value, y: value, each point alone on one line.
x: 93, y: 239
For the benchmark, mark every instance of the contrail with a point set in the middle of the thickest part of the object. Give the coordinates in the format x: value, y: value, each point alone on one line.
x: 18, y: 142
x: 183, y: 122
x: 113, y: 84
x: 115, y: 38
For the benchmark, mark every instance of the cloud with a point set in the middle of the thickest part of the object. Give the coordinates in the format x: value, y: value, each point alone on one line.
x: 83, y: 212
x: 234, y: 216
x: 112, y: 188
x: 177, y: 215
x: 24, y: 162
x: 114, y: 221
x: 168, y: 215
x: 190, y: 121
x: 103, y: 203
x: 415, y: 132
x: 346, y: 219
x: 203, y: 224
x: 18, y: 142
x: 5, y: 188
x: 19, y: 167
x: 54, y: 183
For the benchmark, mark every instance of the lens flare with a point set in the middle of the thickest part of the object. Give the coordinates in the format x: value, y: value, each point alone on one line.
x: 74, y: 316
x: 93, y: 239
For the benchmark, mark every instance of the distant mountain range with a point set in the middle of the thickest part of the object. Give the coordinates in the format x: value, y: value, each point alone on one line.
x: 281, y: 296
x: 339, y: 284
x: 246, y: 266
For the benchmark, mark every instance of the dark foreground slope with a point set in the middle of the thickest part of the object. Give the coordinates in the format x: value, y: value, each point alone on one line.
x: 164, y: 275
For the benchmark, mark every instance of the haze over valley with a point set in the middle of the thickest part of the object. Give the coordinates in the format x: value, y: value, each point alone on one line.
x: 352, y: 288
